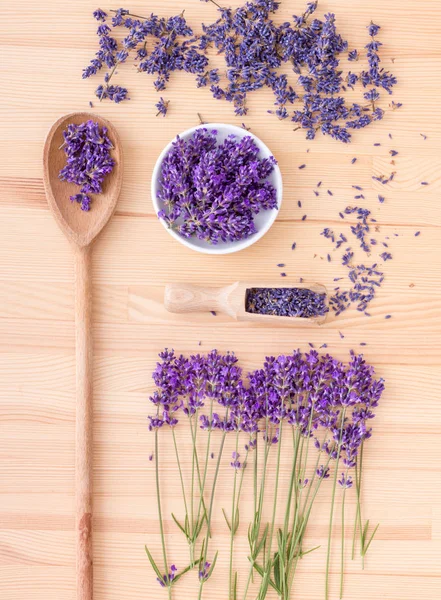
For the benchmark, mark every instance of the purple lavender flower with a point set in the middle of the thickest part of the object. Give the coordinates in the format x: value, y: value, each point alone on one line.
x: 99, y: 15
x: 162, y: 107
x: 88, y: 160
x: 212, y: 191
x: 345, y: 482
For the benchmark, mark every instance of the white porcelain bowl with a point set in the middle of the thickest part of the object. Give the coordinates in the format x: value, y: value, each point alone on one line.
x: 263, y: 220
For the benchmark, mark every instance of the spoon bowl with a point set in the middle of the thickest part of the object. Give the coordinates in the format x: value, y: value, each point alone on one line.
x: 80, y: 227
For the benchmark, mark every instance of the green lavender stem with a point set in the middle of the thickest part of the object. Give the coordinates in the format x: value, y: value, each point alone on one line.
x: 342, y: 566
x: 233, y: 521
x: 210, y: 510
x: 161, y: 527
x: 358, y: 521
x: 328, y: 556
x: 258, y: 512
x: 207, y: 455
x: 265, y: 582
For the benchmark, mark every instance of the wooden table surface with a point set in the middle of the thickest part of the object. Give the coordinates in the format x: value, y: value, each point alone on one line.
x: 44, y: 46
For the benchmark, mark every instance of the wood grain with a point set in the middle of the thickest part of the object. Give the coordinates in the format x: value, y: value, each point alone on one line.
x: 43, y: 50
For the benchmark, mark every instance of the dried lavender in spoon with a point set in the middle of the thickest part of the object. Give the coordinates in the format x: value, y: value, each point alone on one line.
x: 87, y: 149
x: 286, y: 302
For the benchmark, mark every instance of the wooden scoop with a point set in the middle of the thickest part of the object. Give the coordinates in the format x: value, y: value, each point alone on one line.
x: 81, y: 229
x: 231, y: 300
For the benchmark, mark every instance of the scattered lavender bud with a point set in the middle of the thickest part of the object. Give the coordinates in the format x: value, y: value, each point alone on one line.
x: 377, y: 144
x: 386, y: 256
x: 393, y: 152
x: 282, y: 274
x: 294, y: 244
x: 341, y: 335
x: 330, y: 193
x: 213, y: 312
x: 354, y: 160
x: 363, y: 344
x: 99, y: 15
x: 417, y: 233
x: 302, y: 166
x: 255, y: 48
x: 281, y: 265
x: 388, y: 317
x: 162, y: 107
x: 316, y: 193
x: 423, y: 136
x: 304, y: 217
x: 424, y: 183
x: 329, y: 258
x: 299, y: 204
x: 319, y: 184
x: 381, y: 198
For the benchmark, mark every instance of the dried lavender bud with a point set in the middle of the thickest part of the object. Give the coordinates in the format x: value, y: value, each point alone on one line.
x: 255, y: 49
x: 212, y: 191
x: 87, y: 149
x: 286, y: 302
x: 162, y: 107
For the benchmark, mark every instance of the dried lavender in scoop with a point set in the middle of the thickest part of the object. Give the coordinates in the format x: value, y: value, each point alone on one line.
x: 286, y: 302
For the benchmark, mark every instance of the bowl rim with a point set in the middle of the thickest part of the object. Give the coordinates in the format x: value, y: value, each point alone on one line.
x: 233, y: 246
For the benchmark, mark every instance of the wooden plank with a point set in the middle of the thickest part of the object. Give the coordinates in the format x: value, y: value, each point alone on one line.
x: 43, y: 51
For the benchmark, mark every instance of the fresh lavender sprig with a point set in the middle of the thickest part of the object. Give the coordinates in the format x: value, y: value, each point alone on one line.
x: 326, y: 403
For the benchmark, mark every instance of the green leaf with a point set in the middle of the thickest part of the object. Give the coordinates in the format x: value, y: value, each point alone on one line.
x: 236, y: 521
x: 155, y: 568
x: 363, y: 535
x: 202, y: 550
x: 262, y: 574
x: 302, y: 554
x: 235, y: 586
x: 213, y: 564
x: 276, y: 567
x: 262, y: 541
x: 179, y: 525
x: 198, y: 527
x: 370, y: 540
x: 226, y: 519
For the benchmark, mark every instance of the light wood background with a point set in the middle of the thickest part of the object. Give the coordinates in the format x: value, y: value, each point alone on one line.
x: 44, y: 46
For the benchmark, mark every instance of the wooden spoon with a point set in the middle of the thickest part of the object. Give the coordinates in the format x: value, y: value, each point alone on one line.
x: 231, y: 300
x: 81, y: 229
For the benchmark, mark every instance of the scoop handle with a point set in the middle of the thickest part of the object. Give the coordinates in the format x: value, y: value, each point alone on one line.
x: 188, y: 298
x: 84, y: 423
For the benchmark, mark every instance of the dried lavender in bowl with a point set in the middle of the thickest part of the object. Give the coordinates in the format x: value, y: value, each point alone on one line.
x: 286, y: 302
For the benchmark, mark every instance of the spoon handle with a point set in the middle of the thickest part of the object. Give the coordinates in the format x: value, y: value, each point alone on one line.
x: 84, y: 423
x: 188, y: 298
